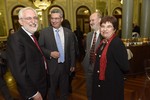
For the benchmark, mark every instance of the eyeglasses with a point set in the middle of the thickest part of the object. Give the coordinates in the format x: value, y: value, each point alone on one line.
x: 55, y: 18
x: 30, y: 18
x: 106, y: 26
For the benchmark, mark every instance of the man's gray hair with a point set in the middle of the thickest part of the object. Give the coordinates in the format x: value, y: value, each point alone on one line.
x: 20, y: 14
x: 99, y: 14
x: 56, y: 11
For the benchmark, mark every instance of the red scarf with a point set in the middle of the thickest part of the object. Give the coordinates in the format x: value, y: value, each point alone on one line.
x: 103, y: 59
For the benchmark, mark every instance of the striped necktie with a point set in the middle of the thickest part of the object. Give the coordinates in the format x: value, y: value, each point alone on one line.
x: 92, y: 53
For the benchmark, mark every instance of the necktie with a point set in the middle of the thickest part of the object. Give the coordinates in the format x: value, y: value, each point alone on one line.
x: 36, y: 43
x: 60, y: 48
x: 92, y: 54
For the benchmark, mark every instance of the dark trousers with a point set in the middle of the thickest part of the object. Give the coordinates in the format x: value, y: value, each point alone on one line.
x: 59, y: 80
x: 89, y: 81
x: 71, y: 76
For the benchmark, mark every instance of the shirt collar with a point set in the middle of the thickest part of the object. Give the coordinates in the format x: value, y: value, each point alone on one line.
x: 97, y: 31
x: 26, y: 31
x: 60, y: 28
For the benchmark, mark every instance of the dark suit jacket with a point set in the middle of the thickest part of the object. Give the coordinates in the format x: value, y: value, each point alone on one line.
x: 26, y: 64
x: 48, y: 44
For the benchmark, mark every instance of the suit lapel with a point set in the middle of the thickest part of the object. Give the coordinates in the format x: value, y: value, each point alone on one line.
x: 65, y: 38
x: 51, y: 37
x: 28, y: 38
x: 89, y: 41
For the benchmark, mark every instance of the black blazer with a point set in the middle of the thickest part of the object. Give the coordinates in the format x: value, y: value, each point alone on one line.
x: 26, y: 64
x: 48, y: 44
x: 112, y: 88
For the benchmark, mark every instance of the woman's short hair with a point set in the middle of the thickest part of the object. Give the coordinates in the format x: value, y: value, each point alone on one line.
x: 110, y: 19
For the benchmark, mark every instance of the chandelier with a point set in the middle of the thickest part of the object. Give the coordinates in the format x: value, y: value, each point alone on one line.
x: 42, y: 4
x: 121, y: 1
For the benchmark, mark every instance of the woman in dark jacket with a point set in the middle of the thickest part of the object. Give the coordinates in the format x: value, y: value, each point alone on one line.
x: 110, y: 64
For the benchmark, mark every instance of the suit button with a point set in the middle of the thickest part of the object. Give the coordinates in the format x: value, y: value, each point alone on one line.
x: 99, y: 56
x: 99, y: 86
x: 97, y: 71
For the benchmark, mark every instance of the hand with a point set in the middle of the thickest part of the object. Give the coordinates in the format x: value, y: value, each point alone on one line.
x: 38, y: 96
x: 72, y: 69
x: 55, y: 54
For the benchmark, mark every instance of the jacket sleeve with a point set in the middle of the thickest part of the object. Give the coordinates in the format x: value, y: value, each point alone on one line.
x: 120, y: 55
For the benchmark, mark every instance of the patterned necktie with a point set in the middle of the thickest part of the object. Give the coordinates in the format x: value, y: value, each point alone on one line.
x: 36, y: 43
x: 92, y: 54
x: 60, y: 48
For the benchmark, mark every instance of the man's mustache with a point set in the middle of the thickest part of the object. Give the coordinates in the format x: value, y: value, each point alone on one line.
x: 33, y: 24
